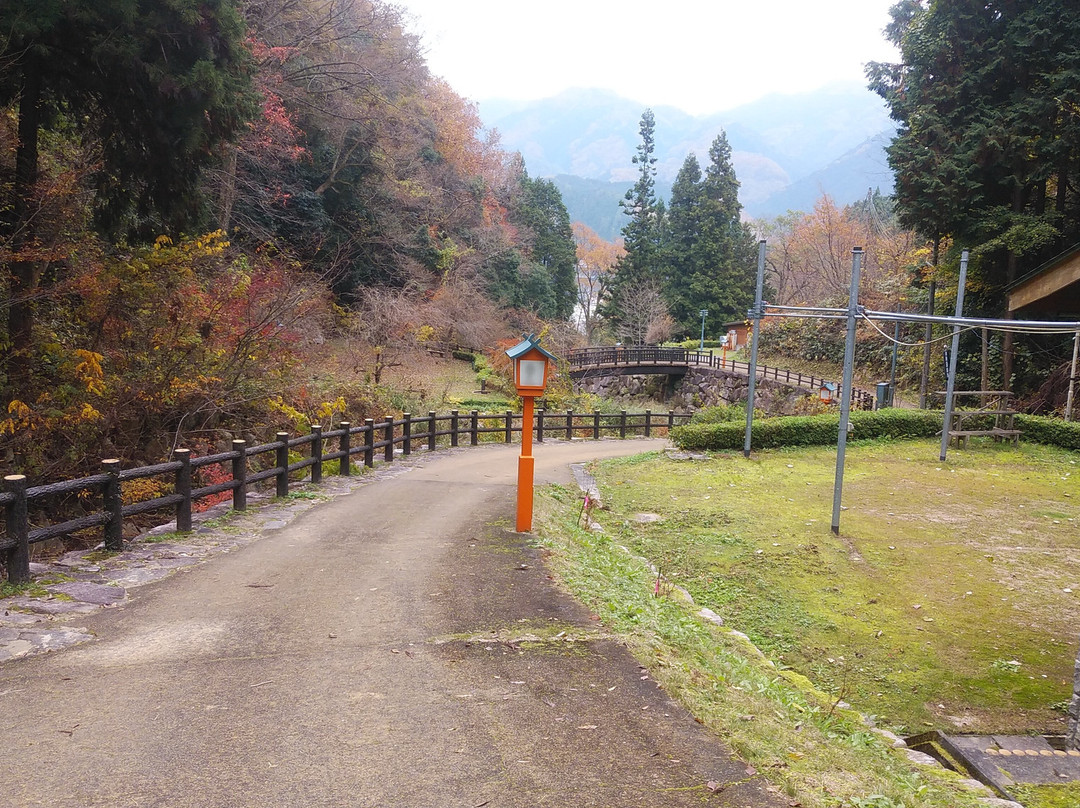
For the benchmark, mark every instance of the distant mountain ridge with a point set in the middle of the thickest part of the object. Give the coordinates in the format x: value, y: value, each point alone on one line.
x: 786, y: 149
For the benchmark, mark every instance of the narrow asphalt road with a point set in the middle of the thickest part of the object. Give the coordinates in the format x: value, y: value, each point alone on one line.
x: 369, y: 654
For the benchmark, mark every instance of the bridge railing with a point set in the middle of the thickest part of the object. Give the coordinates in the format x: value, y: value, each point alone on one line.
x: 600, y: 358
x: 275, y: 463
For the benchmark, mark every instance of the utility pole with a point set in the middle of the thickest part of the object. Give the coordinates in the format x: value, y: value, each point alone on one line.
x: 751, y: 383
x: 950, y: 383
x: 849, y: 380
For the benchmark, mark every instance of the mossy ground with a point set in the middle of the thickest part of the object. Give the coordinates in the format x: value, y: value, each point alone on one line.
x: 945, y: 575
x: 949, y: 600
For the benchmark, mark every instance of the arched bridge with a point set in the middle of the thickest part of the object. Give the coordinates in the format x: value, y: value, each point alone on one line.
x: 619, y: 360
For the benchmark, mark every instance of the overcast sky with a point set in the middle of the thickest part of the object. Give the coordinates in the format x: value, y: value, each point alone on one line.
x: 702, y: 56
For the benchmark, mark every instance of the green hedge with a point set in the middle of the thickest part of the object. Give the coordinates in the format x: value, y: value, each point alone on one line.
x: 808, y: 430
x: 720, y: 414
x: 1051, y: 431
x: 821, y: 430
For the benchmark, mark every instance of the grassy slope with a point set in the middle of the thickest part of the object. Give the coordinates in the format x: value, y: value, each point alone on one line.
x: 984, y: 545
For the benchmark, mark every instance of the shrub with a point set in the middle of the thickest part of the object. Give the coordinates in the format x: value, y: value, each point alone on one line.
x: 1051, y: 431
x: 807, y: 430
x: 721, y: 414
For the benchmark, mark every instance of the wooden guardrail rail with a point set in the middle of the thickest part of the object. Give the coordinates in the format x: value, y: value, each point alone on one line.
x: 608, y: 357
x: 374, y: 439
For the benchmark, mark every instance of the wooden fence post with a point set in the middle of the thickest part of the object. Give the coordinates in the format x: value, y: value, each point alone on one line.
x: 18, y: 530
x: 431, y: 431
x: 474, y: 428
x: 316, y: 453
x: 345, y: 464
x: 670, y: 420
x: 183, y: 488
x: 239, y: 475
x: 388, y: 439
x: 509, y: 426
x: 282, y: 465
x: 569, y: 424
x: 453, y: 428
x: 648, y: 423
x: 114, y: 504
x: 369, y: 442
x: 596, y: 425
x: 406, y: 434
x: 540, y: 425
x: 622, y: 424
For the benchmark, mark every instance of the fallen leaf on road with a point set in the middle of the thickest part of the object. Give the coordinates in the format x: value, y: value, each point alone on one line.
x: 587, y: 726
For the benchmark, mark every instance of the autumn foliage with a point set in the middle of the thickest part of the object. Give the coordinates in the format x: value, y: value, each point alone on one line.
x: 341, y: 208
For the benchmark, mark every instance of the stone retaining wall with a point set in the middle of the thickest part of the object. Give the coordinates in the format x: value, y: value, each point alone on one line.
x: 700, y: 387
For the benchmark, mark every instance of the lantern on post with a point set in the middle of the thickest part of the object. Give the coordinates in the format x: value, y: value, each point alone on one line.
x: 531, y: 366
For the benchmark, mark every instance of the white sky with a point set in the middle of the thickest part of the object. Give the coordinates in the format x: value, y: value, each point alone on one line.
x: 702, y: 56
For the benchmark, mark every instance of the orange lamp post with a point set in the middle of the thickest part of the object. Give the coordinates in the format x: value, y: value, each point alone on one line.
x: 531, y: 366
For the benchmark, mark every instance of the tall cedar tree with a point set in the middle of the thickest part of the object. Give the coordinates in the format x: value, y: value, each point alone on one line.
x: 544, y: 278
x: 642, y: 234
x: 156, y: 85
x: 553, y: 253
x: 709, y: 251
x: 988, y: 150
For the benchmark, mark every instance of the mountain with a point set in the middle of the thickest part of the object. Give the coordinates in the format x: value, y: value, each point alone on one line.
x: 786, y: 149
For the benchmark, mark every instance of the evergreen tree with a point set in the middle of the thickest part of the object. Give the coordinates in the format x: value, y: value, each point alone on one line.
x: 710, y: 252
x: 553, y: 253
x: 988, y: 149
x: 156, y: 86
x: 642, y: 234
x: 683, y: 231
x: 543, y: 277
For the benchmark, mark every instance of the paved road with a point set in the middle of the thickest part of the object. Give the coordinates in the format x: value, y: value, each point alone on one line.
x: 369, y: 654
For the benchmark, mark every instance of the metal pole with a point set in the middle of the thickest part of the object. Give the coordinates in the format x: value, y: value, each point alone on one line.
x: 755, y: 314
x: 950, y: 383
x: 1072, y: 378
x: 704, y: 314
x: 845, y: 392
x: 924, y: 382
x: 892, y: 372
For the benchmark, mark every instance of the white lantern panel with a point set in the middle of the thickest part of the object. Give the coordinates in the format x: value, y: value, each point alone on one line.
x: 531, y: 372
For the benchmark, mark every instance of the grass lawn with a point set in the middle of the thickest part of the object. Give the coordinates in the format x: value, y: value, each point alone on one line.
x: 950, y: 600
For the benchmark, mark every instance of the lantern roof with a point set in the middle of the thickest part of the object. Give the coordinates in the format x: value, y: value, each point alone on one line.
x: 528, y: 343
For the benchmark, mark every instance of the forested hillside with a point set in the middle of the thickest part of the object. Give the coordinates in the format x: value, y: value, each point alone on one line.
x: 206, y: 202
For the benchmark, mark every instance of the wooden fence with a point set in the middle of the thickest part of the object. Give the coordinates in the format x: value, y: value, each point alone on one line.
x: 599, y: 358
x: 372, y: 440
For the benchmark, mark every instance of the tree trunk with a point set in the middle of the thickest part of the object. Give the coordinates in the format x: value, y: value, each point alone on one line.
x: 227, y: 194
x: 924, y: 382
x: 23, y: 270
x: 1010, y: 276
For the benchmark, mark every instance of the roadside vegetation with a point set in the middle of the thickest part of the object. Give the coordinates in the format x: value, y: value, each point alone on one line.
x: 949, y: 600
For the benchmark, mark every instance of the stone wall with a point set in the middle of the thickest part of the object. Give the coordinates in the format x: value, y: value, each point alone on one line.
x: 700, y: 387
